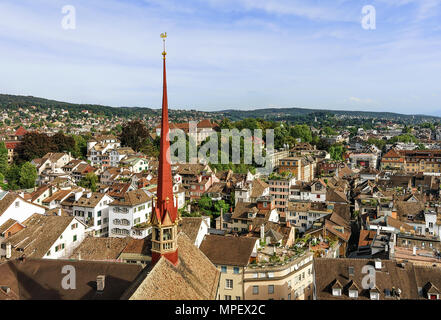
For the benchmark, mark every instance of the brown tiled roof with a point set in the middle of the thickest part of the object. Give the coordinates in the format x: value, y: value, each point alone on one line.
x: 258, y: 186
x: 6, y: 202
x: 337, y: 230
x: 58, y: 195
x: 398, y: 224
x: 190, y: 226
x: 334, y: 195
x: 5, y: 226
x: 91, y: 202
x: 194, y: 278
x: 132, y: 198
x: 328, y: 271
x: 40, y: 234
x: 42, y: 279
x: 366, y: 237
x: 228, y: 250
x: 428, y: 278
x: 100, y: 249
x: 242, y: 208
x: 139, y: 246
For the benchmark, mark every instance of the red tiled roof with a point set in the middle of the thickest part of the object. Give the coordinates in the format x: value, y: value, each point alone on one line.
x: 21, y: 131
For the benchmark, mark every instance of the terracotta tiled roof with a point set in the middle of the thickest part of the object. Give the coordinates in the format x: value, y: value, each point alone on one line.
x: 330, y: 271
x: 228, y: 250
x: 46, y: 278
x: 100, y: 249
x: 194, y: 277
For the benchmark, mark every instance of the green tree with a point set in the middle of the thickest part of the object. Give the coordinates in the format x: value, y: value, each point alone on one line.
x: 89, y: 181
x: 28, y: 175
x: 133, y: 134
x: 3, y: 158
x: 336, y: 151
x: 13, y: 176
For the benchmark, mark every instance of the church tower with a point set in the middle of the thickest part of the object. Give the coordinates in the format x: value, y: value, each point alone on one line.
x: 164, y: 218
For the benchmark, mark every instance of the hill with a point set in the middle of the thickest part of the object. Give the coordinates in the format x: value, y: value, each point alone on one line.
x: 13, y: 102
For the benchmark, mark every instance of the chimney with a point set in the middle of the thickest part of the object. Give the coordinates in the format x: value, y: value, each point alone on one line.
x: 59, y: 212
x: 414, y: 250
x: 378, y: 264
x: 221, y: 219
x: 8, y: 250
x: 189, y: 208
x: 262, y: 232
x: 88, y: 195
x: 100, y: 283
x: 78, y: 195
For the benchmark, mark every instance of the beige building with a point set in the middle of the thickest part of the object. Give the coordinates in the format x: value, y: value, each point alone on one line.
x: 288, y: 280
x: 230, y: 255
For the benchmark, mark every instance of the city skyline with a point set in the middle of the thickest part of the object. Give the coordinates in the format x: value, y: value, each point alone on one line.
x: 227, y: 55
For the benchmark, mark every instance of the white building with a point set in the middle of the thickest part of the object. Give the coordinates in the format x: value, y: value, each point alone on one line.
x: 128, y: 213
x: 92, y: 208
x: 12, y: 206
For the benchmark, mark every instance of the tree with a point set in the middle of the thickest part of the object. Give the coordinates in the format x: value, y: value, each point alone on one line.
x: 336, y: 151
x: 301, y: 131
x: 28, y: 175
x: 89, y: 181
x: 133, y: 134
x: 3, y: 158
x: 13, y: 176
x: 63, y: 143
x: 34, y: 145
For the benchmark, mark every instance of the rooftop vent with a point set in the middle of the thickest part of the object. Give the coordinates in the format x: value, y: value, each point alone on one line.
x: 100, y: 283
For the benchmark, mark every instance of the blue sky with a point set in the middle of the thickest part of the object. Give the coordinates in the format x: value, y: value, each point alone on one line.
x: 222, y: 54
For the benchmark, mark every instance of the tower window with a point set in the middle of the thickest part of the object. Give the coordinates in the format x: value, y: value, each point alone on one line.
x: 167, y: 234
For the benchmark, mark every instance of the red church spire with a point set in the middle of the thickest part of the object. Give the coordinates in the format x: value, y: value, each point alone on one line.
x: 165, y: 213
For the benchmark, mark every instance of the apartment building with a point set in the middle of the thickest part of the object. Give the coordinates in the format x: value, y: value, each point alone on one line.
x: 128, y: 211
x: 413, y: 161
x: 230, y: 255
x: 291, y: 279
x: 280, y: 190
x: 302, y: 168
x: 92, y: 208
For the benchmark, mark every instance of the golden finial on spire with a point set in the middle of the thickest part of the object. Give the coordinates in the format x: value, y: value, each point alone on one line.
x: 164, y: 36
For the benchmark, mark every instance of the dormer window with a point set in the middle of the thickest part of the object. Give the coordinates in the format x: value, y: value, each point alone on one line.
x: 353, y: 294
x: 336, y: 292
x: 374, y: 295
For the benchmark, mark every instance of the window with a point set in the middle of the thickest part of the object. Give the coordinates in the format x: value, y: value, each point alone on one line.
x: 336, y: 292
x: 255, y: 289
x: 236, y: 270
x: 374, y: 295
x: 228, y: 284
x: 237, y: 298
x: 353, y: 294
x: 223, y: 269
x: 227, y: 297
x: 167, y: 234
x: 74, y: 238
x: 17, y: 204
x: 289, y: 296
x: 270, y: 289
